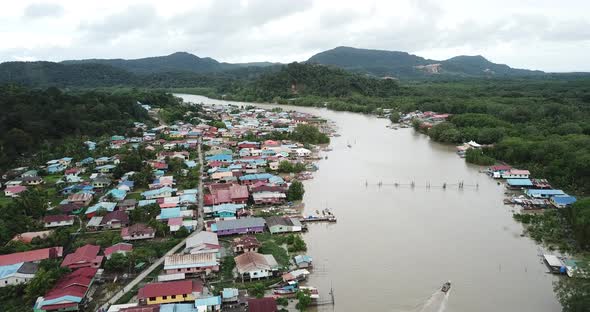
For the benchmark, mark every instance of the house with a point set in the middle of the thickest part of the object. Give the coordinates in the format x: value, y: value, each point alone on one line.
x: 36, y: 255
x: 302, y: 152
x: 262, y: 305
x: 303, y: 261
x: 127, y: 204
x: 208, y: 304
x: 138, y: 231
x: 170, y: 292
x: 252, y: 265
x: 28, y: 237
x: 84, y: 257
x: 55, y: 168
x: 17, y: 273
x: 58, y: 220
x: 245, y: 243
x: 82, y: 199
x: 516, y: 174
x: 94, y: 223
x: 562, y: 201
x: 543, y: 193
x: 104, y: 206
x: 126, y: 185
x: 280, y: 224
x: 14, y: 191
x: 71, y: 208
x: 269, y: 197
x: 230, y: 295
x: 120, y: 248
x: 69, y: 293
x: 203, y: 242
x: 116, y: 194
x: 36, y: 180
x: 239, y: 226
x: 517, y: 184
x: 158, y: 193
x: 101, y: 182
x: 222, y: 193
x: 105, y: 168
x: 191, y: 263
x: 115, y: 220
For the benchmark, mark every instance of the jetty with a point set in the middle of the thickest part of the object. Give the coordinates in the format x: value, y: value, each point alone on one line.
x: 310, y: 219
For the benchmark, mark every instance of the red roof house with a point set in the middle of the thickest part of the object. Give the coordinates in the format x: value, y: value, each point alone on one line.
x: 122, y: 248
x: 68, y: 292
x: 262, y: 305
x: 85, y: 256
x: 31, y: 255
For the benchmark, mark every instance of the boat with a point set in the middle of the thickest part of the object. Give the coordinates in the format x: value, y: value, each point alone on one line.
x: 446, y: 287
x: 349, y: 146
x: 285, y: 290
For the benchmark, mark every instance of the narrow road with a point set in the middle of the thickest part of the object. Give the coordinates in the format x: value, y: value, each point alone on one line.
x: 174, y: 249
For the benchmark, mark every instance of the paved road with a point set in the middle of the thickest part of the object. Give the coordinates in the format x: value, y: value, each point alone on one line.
x: 180, y: 245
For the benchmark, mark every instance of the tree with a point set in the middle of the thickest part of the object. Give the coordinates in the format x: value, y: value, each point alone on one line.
x: 574, y: 293
x: 181, y: 233
x: 295, y: 191
x: 304, y: 300
x: 394, y: 117
x: 117, y: 263
x: 306, y: 133
x: 258, y: 290
x: 282, y: 301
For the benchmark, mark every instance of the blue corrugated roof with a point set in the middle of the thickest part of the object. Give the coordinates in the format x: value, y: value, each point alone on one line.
x: 170, y: 213
x: 541, y: 192
x: 178, y: 307
x: 210, y: 301
x: 8, y: 270
x: 563, y: 199
x: 519, y: 182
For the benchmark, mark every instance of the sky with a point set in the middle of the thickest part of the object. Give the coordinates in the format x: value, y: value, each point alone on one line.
x: 547, y: 35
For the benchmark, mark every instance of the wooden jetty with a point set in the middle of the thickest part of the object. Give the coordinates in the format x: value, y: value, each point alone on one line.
x: 311, y: 219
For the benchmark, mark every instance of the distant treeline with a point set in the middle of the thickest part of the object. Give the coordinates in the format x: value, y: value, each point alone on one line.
x: 37, y: 121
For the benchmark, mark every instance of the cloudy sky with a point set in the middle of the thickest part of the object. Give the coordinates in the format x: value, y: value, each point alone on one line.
x: 538, y: 34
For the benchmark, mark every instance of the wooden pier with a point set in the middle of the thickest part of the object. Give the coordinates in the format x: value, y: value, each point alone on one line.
x: 331, y: 219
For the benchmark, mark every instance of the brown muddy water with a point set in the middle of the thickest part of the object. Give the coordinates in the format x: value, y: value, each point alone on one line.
x: 393, y: 247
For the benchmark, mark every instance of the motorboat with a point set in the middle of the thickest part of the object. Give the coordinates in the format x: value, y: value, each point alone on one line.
x: 446, y: 287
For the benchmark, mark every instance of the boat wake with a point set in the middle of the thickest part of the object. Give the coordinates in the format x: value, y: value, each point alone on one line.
x: 437, y: 302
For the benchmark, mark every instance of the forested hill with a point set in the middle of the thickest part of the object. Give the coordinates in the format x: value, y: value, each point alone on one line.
x: 300, y: 79
x: 404, y: 65
x: 91, y: 75
x: 176, y: 62
x: 34, y: 121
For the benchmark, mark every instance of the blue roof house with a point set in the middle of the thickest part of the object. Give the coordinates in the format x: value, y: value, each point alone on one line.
x: 208, y: 303
x: 542, y: 193
x: 562, y: 201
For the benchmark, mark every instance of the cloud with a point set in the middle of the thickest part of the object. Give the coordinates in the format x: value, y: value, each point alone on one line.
x: 286, y: 30
x: 111, y: 27
x: 40, y: 10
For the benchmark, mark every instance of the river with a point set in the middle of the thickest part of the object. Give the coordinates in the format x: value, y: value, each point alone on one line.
x: 393, y: 247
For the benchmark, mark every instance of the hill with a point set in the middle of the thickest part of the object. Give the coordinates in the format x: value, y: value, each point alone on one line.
x: 405, y: 65
x: 301, y: 79
x: 176, y: 62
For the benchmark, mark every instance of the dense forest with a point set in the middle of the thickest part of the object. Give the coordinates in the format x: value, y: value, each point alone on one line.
x: 538, y: 125
x: 34, y: 122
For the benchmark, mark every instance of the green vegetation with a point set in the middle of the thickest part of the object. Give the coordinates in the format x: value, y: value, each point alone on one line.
x: 286, y: 166
x: 303, y: 300
x: 49, y: 123
x: 402, y: 64
x: 295, y: 191
x: 476, y: 156
x: 309, y: 134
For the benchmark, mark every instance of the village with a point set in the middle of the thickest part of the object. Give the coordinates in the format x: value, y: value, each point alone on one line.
x: 210, y: 219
